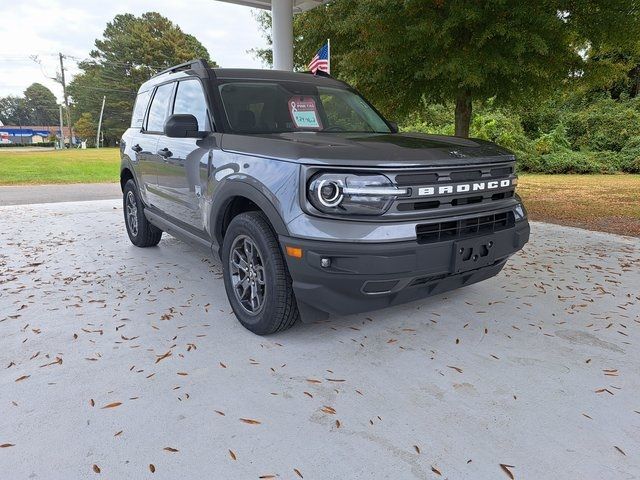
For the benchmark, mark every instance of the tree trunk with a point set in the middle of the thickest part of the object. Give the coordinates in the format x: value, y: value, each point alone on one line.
x: 463, y: 113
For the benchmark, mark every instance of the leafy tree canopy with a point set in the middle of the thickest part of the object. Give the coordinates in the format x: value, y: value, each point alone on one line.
x: 38, y: 106
x: 86, y: 127
x: 132, y: 50
x: 400, y: 51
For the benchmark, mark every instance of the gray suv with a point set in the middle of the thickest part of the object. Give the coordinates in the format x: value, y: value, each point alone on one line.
x: 314, y: 202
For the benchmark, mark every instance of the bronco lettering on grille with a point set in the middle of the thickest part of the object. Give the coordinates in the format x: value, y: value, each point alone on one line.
x: 464, y: 187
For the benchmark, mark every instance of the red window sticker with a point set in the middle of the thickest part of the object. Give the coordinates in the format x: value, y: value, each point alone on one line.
x: 304, y: 112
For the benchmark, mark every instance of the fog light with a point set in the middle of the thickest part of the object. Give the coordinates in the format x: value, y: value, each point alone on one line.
x: 325, y: 262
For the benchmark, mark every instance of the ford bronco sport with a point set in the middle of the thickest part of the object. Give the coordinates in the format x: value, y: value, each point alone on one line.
x: 314, y: 202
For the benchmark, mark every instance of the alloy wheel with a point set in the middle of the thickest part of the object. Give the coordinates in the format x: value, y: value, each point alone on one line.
x: 132, y: 213
x: 247, y: 274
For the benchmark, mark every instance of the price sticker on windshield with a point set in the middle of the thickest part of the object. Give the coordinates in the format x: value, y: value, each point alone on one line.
x: 304, y: 112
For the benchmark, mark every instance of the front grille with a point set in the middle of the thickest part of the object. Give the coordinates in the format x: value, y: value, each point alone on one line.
x: 452, y: 175
x: 417, y: 203
x: 469, y: 227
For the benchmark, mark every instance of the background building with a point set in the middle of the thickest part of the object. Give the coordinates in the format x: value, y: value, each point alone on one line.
x: 31, y: 134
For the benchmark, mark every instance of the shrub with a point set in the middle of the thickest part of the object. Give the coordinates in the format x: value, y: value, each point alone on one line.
x: 604, y: 124
x: 436, y: 119
x: 24, y: 145
x: 568, y: 161
x: 630, y: 156
x: 555, y: 141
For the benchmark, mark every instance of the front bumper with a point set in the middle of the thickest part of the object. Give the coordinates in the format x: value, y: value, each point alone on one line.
x: 371, y: 276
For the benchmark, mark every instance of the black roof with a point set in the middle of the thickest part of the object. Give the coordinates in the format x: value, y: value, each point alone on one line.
x: 201, y: 68
x: 283, y: 75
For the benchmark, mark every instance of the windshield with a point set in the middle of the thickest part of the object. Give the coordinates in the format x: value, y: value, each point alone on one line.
x: 267, y: 107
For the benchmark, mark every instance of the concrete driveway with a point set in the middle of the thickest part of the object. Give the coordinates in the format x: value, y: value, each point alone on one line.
x: 118, y: 362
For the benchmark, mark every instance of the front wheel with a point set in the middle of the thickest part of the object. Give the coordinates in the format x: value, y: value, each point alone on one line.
x: 256, y: 277
x: 140, y: 231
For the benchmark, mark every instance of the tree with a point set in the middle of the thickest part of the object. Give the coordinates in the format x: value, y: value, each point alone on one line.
x: 401, y: 51
x: 12, y: 110
x: 37, y: 107
x: 86, y: 127
x: 132, y: 50
x: 41, y: 105
x: 613, y: 69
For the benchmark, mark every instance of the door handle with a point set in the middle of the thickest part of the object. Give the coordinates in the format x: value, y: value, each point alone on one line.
x: 165, y: 152
x: 136, y: 148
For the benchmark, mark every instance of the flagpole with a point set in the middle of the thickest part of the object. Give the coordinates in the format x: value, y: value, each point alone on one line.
x: 329, y: 56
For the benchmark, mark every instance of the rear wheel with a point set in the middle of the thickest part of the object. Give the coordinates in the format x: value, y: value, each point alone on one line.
x: 256, y: 277
x: 140, y: 231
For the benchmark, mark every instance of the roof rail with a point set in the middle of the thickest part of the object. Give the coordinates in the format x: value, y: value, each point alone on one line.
x: 191, y: 64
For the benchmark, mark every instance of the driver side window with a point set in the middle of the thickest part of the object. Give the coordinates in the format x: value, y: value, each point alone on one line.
x: 158, y: 110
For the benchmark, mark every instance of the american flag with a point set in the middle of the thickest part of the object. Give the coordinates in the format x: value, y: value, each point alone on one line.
x: 321, y: 60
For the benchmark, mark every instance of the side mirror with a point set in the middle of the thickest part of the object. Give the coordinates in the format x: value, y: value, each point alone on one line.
x: 182, y: 126
x: 394, y: 127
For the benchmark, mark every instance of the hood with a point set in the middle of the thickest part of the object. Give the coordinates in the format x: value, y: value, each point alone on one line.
x: 367, y: 149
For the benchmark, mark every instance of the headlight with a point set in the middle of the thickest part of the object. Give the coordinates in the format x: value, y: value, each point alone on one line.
x: 352, y: 194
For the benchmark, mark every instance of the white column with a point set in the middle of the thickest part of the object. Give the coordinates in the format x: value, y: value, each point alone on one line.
x: 282, y: 34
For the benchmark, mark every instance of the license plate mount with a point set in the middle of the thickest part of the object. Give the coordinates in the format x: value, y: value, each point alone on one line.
x: 473, y: 253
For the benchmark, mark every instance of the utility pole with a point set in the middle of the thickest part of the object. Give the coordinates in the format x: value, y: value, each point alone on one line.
x: 100, y: 122
x: 66, y: 97
x: 61, y: 130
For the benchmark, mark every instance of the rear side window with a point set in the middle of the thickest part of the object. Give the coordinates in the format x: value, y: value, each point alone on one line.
x: 139, y: 109
x: 158, y: 109
x: 190, y: 99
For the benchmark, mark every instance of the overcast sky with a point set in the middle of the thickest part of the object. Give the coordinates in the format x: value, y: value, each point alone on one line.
x: 46, y: 27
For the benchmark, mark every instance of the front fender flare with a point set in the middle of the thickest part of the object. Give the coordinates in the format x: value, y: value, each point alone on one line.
x: 232, y: 188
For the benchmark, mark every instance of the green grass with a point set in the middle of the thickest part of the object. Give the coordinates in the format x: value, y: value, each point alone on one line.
x: 60, y: 166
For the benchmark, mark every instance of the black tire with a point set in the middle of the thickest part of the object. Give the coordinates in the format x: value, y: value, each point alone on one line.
x: 140, y: 231
x: 278, y: 310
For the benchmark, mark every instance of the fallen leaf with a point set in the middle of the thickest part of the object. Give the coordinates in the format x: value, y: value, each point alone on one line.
x: 313, y: 380
x: 163, y: 356
x: 417, y: 448
x: 152, y: 467
x: 7, y: 445
x: 457, y: 369
x: 298, y: 472
x: 184, y: 374
x: 505, y: 469
x: 436, y: 471
x: 267, y: 477
x: 24, y: 377
x: 118, y: 433
x: 112, y: 405
x: 329, y: 410
x: 232, y: 455
x: 92, y: 403
x: 219, y: 412
x: 96, y: 468
x: 620, y: 450
x: 223, y: 365
x: 338, y: 424
x: 250, y: 421
x: 171, y: 449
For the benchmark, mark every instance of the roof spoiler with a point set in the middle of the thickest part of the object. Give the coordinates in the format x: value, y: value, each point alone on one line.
x: 197, y: 64
x: 318, y: 73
